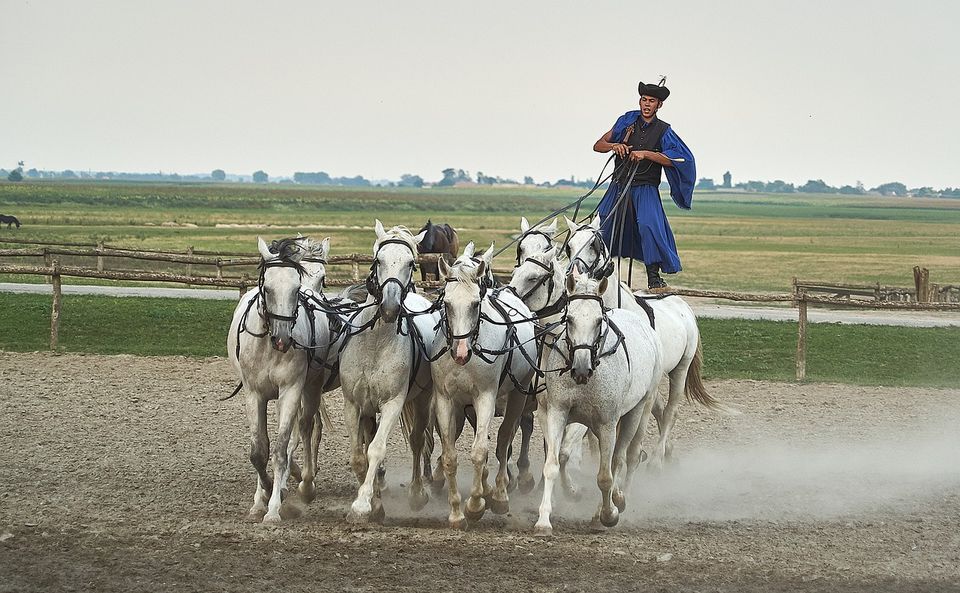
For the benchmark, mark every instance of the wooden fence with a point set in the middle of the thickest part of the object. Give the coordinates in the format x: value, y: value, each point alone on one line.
x: 802, y: 297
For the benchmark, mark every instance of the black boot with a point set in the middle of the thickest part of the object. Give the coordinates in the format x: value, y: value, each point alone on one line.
x: 654, y: 282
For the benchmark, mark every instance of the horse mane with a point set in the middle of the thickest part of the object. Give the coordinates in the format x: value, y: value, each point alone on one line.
x: 286, y: 248
x: 311, y: 247
x: 402, y: 233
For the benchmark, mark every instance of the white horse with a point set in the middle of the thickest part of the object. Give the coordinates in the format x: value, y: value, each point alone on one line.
x: 266, y: 324
x: 384, y: 369
x: 614, y: 363
x: 676, y: 325
x: 490, y: 337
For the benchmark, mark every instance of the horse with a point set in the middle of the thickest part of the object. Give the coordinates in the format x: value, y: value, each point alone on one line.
x: 267, y: 324
x: 384, y: 368
x: 9, y: 220
x: 439, y: 238
x: 489, y: 334
x: 675, y: 324
x: 610, y: 365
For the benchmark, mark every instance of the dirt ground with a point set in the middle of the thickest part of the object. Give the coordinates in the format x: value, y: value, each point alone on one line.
x: 123, y: 473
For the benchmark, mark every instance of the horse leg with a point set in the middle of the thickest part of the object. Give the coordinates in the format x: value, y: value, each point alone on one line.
x: 416, y: 495
x: 552, y: 422
x: 259, y: 453
x: 358, y: 440
x: 446, y: 426
x: 309, y: 421
x: 485, y: 406
x: 572, y: 443
x: 288, y: 405
x: 525, y: 481
x: 607, y: 513
x: 630, y: 424
x: 678, y: 378
x: 368, y: 496
x: 516, y: 402
x: 635, y: 452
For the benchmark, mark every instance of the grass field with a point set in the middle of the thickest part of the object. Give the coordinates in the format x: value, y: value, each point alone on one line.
x: 733, y: 241
x: 761, y: 350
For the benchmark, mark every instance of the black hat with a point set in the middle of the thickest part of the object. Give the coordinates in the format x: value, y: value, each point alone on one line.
x: 658, y: 91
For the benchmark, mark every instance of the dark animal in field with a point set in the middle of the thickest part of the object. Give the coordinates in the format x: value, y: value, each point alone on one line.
x: 9, y: 220
x: 440, y: 238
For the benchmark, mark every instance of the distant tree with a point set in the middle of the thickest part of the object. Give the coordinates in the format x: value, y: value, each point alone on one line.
x: 407, y: 180
x: 15, y: 175
x: 923, y: 192
x: 779, y: 186
x: 706, y: 183
x: 894, y: 188
x: 68, y: 174
x: 849, y: 190
x: 816, y: 186
x: 33, y: 173
x: 527, y: 180
x: 318, y: 178
x: 453, y: 177
x: 260, y: 177
x: 218, y: 175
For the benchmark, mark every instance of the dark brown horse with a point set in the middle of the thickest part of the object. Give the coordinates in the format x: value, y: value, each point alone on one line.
x: 9, y: 220
x: 440, y: 238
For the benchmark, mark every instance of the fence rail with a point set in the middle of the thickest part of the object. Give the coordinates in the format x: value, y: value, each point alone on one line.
x: 800, y: 297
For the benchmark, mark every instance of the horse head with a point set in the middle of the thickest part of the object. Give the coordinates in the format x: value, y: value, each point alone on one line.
x: 585, y: 248
x: 314, y: 262
x: 465, y: 286
x: 391, y: 275
x: 534, y: 240
x: 585, y: 321
x: 279, y: 289
x: 538, y: 280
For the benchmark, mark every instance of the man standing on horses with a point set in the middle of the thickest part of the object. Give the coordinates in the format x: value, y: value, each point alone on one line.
x: 633, y: 223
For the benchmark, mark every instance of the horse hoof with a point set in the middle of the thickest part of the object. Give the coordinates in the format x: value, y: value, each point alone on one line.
x: 499, y: 507
x: 542, y: 531
x: 620, y: 500
x: 271, y: 518
x: 610, y: 519
x: 474, y: 511
x: 418, y: 500
x: 377, y: 515
x: 307, y: 491
x: 458, y: 524
x: 527, y: 483
x: 256, y: 515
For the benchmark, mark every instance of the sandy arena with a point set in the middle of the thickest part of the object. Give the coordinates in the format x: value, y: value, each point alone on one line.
x: 123, y: 474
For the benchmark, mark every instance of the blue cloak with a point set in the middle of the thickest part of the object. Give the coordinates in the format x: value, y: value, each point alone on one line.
x: 645, y: 234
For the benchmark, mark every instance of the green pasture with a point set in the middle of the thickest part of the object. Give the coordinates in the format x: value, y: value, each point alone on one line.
x: 733, y: 349
x: 734, y: 241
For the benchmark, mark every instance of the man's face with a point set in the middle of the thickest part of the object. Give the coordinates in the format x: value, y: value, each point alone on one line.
x: 649, y: 106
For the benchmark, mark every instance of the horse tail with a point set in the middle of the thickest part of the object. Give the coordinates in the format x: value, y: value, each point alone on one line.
x: 235, y: 391
x: 324, y: 413
x: 454, y: 241
x: 407, y: 415
x: 696, y: 391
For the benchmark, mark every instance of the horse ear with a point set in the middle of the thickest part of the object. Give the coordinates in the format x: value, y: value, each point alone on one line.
x: 481, y: 270
x: 378, y: 228
x: 550, y: 253
x: 595, y: 223
x: 264, y: 250
x: 442, y: 268
x: 524, y: 224
x: 603, y: 286
x: 325, y: 247
x: 487, y: 256
x: 574, y: 227
x: 571, y: 281
x: 419, y: 237
x: 470, y: 249
x: 552, y: 229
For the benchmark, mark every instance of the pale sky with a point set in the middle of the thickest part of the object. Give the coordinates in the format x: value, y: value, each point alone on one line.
x: 769, y: 89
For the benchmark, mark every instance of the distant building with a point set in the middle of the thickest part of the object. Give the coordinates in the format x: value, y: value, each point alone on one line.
x: 727, y: 180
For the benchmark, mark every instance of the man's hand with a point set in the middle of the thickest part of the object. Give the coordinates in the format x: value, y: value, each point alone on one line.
x: 620, y: 149
x: 638, y: 155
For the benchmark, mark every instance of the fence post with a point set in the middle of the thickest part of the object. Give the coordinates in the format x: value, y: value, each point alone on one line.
x: 802, y: 337
x: 244, y: 279
x: 100, y: 247
x: 921, y: 279
x: 190, y: 265
x: 57, y: 304
x: 48, y: 262
x: 219, y: 268
x: 356, y: 270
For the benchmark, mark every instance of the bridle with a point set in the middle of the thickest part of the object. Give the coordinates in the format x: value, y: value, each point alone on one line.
x: 607, y: 325
x: 602, y: 255
x: 375, y: 287
x: 264, y: 309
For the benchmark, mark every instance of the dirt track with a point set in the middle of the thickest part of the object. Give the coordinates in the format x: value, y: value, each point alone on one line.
x: 125, y: 473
